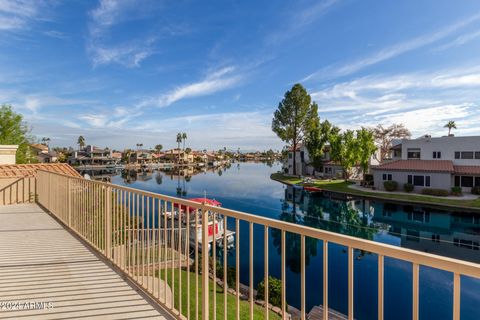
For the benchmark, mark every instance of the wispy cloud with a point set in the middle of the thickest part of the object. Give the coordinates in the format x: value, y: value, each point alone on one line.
x: 423, y: 101
x: 55, y: 34
x: 392, y: 51
x: 215, y: 81
x: 18, y: 14
x: 301, y: 19
x: 460, y: 40
x: 109, y: 13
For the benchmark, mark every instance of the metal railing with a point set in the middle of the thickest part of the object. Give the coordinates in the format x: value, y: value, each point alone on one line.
x: 134, y: 229
x: 21, y: 190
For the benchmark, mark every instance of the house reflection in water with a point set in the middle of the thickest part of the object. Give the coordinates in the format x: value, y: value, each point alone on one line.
x: 451, y: 234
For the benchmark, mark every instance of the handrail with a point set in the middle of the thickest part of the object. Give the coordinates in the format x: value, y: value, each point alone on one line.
x: 16, y: 194
x: 136, y: 229
x: 423, y: 258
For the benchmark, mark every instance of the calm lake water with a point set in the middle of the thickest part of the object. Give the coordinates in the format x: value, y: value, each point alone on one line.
x: 248, y: 187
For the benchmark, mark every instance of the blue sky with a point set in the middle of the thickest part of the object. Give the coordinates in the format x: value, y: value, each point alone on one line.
x: 126, y: 72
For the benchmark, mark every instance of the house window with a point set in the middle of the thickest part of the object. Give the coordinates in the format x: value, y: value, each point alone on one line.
x: 457, y: 181
x: 466, y: 181
x: 419, y: 181
x: 477, y: 154
x: 437, y: 154
x: 467, y: 155
x: 290, y: 155
x: 387, y: 176
x: 457, y: 154
x: 477, y: 181
x: 413, y: 153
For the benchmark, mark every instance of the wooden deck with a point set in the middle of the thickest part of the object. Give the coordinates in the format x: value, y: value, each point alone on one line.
x: 47, y: 273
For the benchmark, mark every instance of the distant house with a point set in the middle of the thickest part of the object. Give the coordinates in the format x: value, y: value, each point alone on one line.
x: 329, y: 169
x: 427, y: 162
x: 141, y: 157
x: 179, y: 155
x: 43, y: 153
x: 92, y: 156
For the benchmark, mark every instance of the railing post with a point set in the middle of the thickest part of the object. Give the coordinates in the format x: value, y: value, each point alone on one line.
x: 69, y: 202
x: 108, y: 222
x: 205, y: 271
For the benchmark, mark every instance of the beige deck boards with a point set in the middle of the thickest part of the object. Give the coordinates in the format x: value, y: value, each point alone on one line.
x: 42, y: 262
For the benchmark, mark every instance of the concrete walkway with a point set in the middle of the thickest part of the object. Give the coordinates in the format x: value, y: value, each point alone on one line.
x: 46, y: 273
x: 465, y: 196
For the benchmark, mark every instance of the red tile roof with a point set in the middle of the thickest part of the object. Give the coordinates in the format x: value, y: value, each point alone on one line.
x: 30, y: 170
x: 473, y: 170
x: 418, y: 165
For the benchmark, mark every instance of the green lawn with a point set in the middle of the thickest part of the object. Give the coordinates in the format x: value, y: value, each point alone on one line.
x: 258, y: 311
x: 342, y: 187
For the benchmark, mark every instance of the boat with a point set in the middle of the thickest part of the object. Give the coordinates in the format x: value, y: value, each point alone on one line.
x: 215, y: 228
x: 312, y: 189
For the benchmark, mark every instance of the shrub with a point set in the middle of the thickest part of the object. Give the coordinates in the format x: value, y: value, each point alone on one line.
x: 476, y: 190
x: 274, y: 291
x: 390, y: 185
x: 408, y: 187
x: 435, y: 192
x: 456, y: 191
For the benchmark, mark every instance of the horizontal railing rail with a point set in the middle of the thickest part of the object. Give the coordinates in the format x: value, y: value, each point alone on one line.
x: 134, y: 229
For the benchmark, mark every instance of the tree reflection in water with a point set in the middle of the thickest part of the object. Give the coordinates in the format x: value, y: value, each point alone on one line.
x: 337, y: 216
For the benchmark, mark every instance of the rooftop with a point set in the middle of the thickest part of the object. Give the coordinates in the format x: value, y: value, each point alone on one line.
x: 30, y: 170
x: 418, y: 165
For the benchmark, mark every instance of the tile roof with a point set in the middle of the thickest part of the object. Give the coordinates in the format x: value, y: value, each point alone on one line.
x: 418, y: 165
x: 473, y: 170
x: 25, y: 170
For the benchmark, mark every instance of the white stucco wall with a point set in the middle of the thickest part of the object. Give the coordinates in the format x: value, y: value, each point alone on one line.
x: 446, y: 145
x: 7, y: 154
x: 437, y: 180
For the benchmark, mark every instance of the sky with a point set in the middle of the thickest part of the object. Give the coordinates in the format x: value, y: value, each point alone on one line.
x: 122, y: 72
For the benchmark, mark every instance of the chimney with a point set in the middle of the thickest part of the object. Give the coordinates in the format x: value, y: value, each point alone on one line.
x: 7, y: 154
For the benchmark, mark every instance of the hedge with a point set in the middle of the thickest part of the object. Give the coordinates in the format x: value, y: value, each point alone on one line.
x: 390, y: 185
x: 435, y: 192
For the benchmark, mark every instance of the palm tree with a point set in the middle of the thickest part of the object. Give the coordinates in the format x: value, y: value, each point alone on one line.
x: 184, y: 137
x: 139, y: 145
x: 81, y: 142
x: 450, y: 125
x: 179, y: 140
x: 45, y: 141
x: 158, y: 148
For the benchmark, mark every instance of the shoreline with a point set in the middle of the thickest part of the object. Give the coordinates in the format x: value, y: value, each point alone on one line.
x: 343, y: 188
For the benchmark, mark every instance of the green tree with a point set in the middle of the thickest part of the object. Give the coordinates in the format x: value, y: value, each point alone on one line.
x: 344, y: 149
x: 158, y: 148
x: 14, y: 131
x: 81, y: 142
x: 450, y: 125
x: 366, y: 148
x: 188, y: 150
x: 316, y: 140
x: 293, y: 118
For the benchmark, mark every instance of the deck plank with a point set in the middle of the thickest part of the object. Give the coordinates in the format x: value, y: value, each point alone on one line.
x: 40, y: 261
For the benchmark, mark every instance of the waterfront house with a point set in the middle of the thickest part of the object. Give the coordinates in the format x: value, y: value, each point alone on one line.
x: 140, y: 157
x: 330, y: 169
x: 92, y: 156
x: 428, y: 162
x: 179, y: 156
x: 43, y: 153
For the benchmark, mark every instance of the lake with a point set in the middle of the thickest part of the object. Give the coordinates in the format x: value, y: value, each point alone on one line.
x: 248, y: 187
